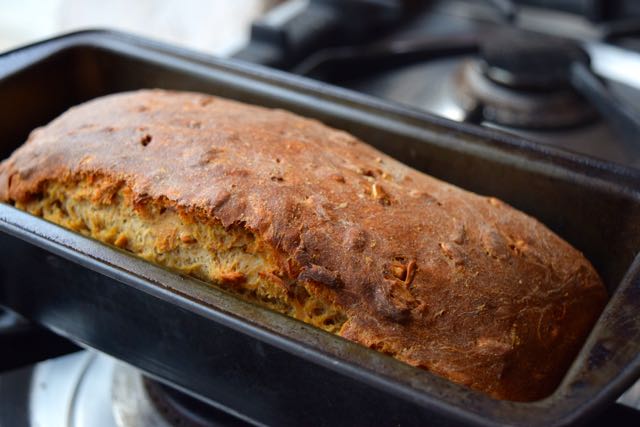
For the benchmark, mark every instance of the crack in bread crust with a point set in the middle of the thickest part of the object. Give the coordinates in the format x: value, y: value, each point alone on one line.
x: 231, y: 258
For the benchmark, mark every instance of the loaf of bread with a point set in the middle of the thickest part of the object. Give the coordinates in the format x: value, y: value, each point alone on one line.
x: 311, y: 222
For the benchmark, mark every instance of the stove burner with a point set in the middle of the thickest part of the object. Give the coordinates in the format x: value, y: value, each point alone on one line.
x: 182, y: 410
x: 523, y: 80
x: 529, y: 61
x: 139, y: 401
x: 483, y: 99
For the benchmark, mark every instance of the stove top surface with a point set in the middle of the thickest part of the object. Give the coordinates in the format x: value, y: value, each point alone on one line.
x: 499, y: 64
x: 90, y: 389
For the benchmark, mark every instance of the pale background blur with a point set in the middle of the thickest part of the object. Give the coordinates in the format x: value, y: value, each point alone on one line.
x: 212, y: 26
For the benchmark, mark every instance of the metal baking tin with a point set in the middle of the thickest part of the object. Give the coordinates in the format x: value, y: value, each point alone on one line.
x: 265, y: 367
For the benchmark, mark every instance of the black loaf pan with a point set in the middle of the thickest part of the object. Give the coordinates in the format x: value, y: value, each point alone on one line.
x: 268, y: 368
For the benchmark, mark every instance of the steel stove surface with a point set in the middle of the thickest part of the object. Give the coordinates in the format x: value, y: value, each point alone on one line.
x: 436, y: 60
x: 90, y: 389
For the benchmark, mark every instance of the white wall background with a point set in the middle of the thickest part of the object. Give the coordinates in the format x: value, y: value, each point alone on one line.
x: 213, y: 26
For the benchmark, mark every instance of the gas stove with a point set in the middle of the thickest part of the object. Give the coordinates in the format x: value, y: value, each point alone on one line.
x: 565, y: 75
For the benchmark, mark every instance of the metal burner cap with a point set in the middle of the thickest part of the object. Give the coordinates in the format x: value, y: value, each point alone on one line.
x: 525, y: 60
x: 484, y: 100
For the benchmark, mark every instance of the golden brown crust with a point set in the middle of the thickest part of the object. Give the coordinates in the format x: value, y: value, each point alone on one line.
x: 441, y: 278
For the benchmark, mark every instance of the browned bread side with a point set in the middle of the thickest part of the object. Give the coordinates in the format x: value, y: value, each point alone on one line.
x: 311, y: 222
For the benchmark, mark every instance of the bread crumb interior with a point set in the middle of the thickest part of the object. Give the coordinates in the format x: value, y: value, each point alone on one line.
x: 231, y: 258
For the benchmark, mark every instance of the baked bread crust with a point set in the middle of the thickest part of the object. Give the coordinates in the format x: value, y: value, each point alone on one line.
x: 438, y: 277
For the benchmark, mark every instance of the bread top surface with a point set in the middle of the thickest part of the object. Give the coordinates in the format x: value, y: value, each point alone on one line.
x: 462, y: 285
